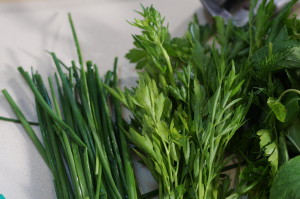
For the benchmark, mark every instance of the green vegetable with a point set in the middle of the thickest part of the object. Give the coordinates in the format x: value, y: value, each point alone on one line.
x: 180, y: 127
x: 83, y: 147
x: 193, y: 97
x: 287, y: 181
x: 270, y: 148
x: 278, y: 109
x: 197, y: 106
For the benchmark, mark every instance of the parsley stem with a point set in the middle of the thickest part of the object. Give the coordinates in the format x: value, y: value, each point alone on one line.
x: 170, y: 68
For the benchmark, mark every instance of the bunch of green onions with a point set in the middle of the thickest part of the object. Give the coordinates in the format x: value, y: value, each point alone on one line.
x: 80, y: 126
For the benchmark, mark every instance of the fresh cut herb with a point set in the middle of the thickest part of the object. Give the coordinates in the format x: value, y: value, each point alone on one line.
x: 81, y: 125
x: 218, y: 98
x: 218, y: 94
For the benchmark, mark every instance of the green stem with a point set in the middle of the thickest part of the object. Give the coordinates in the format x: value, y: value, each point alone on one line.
x: 70, y: 159
x: 118, y: 173
x: 50, y: 142
x: 102, y: 153
x: 17, y: 121
x: 47, y: 109
x: 287, y: 91
x: 169, y: 65
x: 99, y: 176
x: 87, y: 172
x: 26, y: 126
x: 76, y: 40
x: 129, y: 173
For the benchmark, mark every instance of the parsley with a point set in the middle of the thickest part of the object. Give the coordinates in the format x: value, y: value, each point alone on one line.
x: 195, y: 101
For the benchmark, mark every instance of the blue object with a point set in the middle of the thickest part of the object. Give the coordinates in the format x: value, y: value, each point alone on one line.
x: 2, y: 197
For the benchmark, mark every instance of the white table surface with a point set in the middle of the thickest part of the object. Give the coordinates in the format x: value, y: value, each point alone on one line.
x: 29, y: 28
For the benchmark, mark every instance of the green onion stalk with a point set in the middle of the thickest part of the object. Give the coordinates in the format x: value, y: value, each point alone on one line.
x: 80, y: 123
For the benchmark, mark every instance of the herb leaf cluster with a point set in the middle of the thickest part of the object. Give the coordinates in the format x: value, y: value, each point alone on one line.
x: 219, y: 90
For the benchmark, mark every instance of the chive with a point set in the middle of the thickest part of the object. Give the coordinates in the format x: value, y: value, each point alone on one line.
x: 60, y: 61
x: 75, y: 151
x: 17, y: 121
x: 99, y: 175
x: 71, y: 163
x: 72, y: 102
x: 87, y: 172
x: 75, y: 40
x: 76, y: 154
x: 130, y: 177
x: 26, y: 126
x: 54, y: 99
x: 58, y: 160
x: 94, y: 103
x: 80, y: 136
x: 79, y: 169
x: 43, y: 127
x: 110, y: 127
x: 108, y: 142
x: 49, y: 110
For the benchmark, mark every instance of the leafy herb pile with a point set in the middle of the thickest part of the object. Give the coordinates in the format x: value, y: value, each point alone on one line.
x: 218, y: 94
x: 83, y: 146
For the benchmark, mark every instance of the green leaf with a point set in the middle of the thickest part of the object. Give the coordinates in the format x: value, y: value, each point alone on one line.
x: 138, y: 56
x: 265, y: 137
x: 173, y: 152
x: 292, y: 60
x: 279, y: 21
x: 236, y: 89
x: 186, y: 151
x: 293, y: 26
x: 292, y: 106
x: 141, y: 141
x: 272, y: 151
x: 197, y: 164
x: 135, y: 55
x: 278, y: 109
x: 293, y: 134
x: 270, y: 148
x: 287, y: 181
x: 116, y: 93
x: 159, y: 106
x: 276, y: 56
x: 163, y: 131
x: 180, y: 190
x: 175, y: 92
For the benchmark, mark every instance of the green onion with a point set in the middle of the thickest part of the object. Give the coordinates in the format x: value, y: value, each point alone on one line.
x: 83, y: 147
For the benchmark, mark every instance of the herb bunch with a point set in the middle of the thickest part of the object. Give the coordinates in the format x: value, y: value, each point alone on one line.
x: 196, y: 102
x: 181, y: 127
x: 217, y: 94
x: 82, y: 143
